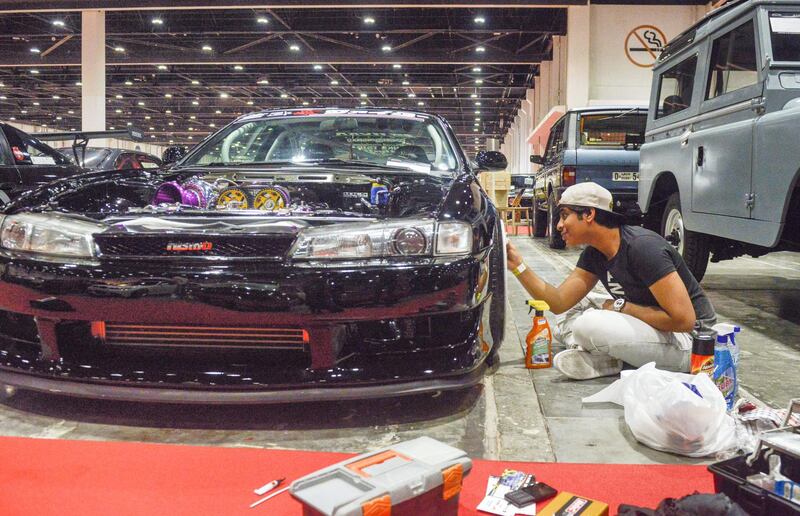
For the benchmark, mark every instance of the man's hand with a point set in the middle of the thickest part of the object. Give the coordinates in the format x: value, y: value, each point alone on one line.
x: 608, y: 304
x: 513, y: 258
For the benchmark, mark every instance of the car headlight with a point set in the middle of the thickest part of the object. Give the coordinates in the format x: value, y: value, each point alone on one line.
x: 416, y: 237
x: 48, y: 234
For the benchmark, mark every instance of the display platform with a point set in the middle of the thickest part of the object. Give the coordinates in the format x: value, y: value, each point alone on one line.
x: 58, y: 477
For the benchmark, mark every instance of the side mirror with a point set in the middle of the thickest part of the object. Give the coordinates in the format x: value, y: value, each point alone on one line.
x: 491, y: 160
x: 535, y: 158
x: 172, y: 154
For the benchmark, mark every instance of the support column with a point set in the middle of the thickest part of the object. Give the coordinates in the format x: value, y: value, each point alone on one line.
x: 578, y: 47
x: 93, y: 71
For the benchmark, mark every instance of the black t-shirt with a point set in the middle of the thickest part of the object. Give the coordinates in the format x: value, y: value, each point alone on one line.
x: 644, y: 257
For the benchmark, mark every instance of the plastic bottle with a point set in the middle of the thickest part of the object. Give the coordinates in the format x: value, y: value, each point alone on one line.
x: 539, y: 342
x: 725, y: 370
x: 730, y: 331
x: 703, y: 341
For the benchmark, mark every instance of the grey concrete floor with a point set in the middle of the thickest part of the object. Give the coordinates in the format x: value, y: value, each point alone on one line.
x: 516, y: 414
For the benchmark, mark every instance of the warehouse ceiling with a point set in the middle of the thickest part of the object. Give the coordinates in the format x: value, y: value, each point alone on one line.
x: 180, y: 74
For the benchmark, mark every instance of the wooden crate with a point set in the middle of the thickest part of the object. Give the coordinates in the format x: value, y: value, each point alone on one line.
x: 497, y: 186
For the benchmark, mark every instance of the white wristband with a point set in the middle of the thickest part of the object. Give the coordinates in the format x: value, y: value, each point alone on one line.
x: 520, y: 269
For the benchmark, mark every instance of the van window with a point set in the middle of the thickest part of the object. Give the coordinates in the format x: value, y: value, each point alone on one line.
x: 733, y: 61
x: 785, y: 29
x: 675, y: 87
x: 556, y: 140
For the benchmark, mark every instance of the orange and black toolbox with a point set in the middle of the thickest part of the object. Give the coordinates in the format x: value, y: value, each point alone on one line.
x: 416, y: 478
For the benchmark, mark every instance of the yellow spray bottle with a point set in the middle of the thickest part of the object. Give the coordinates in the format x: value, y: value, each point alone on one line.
x: 539, y: 342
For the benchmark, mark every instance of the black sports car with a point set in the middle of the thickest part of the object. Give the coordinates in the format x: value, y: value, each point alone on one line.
x: 294, y: 255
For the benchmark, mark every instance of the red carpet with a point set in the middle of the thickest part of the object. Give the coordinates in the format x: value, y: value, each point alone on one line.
x: 57, y: 477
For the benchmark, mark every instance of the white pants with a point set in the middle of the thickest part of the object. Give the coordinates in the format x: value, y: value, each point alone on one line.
x: 622, y: 336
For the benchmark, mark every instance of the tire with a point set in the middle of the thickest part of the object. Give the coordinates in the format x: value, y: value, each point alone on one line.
x: 693, y: 247
x: 539, y: 219
x: 497, y: 305
x: 554, y: 239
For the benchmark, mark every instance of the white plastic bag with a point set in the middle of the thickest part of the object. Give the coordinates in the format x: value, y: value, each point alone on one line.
x: 673, y: 412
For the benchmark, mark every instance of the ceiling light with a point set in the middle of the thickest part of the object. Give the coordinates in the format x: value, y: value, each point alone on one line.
x: 172, y: 141
x: 476, y: 124
x: 474, y: 96
x: 112, y: 128
x: 480, y: 49
x: 192, y: 117
x: 263, y: 81
x: 128, y: 83
x: 224, y: 95
x: 218, y: 112
x: 169, y: 111
x: 3, y: 97
x: 79, y: 83
x: 386, y: 48
x: 363, y: 102
x: 119, y: 49
x: 35, y: 103
x: 411, y: 95
x: 170, y: 123
x: 70, y: 112
x: 480, y: 20
x: 477, y: 103
x: 59, y: 118
x: 34, y: 71
x: 317, y: 67
x: 191, y: 128
x: 56, y: 97
x: 195, y: 82
x: 195, y: 103
x: 478, y: 81
x: 190, y: 136
x: 117, y: 111
x: 262, y: 20
x: 250, y: 102
x: 305, y: 103
x: 152, y: 128
x: 238, y: 67
x: 147, y: 117
x: 168, y: 95
x: 477, y: 111
x: 152, y: 136
x: 420, y: 103
x: 129, y: 123
x: 58, y: 23
x: 294, y: 47
x: 14, y: 118
x: 475, y: 130
x: 477, y: 69
x: 406, y: 83
x: 117, y: 96
x: 140, y: 103
x: 35, y: 50
x: 157, y: 21
x: 477, y: 119
x: 284, y: 95
x: 362, y: 95
x: 369, y: 20
x: 162, y: 67
x: 24, y: 111
x: 207, y: 48
x: 397, y: 66
x: 212, y: 125
x: 334, y: 82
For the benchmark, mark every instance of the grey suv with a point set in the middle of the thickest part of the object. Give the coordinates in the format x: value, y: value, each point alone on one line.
x: 721, y: 160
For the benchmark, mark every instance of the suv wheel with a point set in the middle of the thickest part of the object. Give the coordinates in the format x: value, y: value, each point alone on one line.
x: 497, y: 307
x: 539, y: 219
x: 554, y: 239
x: 692, y: 246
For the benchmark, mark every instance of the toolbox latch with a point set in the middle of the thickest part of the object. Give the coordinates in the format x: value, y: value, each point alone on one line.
x: 452, y: 478
x: 381, y: 506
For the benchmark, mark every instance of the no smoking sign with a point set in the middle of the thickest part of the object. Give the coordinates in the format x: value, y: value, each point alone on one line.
x: 644, y: 44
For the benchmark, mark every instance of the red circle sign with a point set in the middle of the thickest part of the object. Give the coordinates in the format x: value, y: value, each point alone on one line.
x: 644, y: 44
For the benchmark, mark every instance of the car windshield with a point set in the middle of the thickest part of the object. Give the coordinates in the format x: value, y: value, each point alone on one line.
x: 612, y: 129
x: 391, y: 139
x: 785, y: 31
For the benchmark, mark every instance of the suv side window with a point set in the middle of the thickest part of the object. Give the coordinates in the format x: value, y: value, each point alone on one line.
x: 675, y: 87
x: 30, y: 151
x: 556, y: 140
x: 733, y: 61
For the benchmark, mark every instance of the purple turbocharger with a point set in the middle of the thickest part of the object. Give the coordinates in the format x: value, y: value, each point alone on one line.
x: 171, y: 192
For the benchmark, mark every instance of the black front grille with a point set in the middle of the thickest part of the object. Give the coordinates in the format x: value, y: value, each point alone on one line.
x: 229, y: 246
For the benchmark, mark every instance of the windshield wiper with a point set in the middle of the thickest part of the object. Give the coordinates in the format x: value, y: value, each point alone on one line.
x: 352, y: 162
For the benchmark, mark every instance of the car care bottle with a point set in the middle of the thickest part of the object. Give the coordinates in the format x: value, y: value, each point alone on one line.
x: 726, y: 358
x: 539, y: 342
x: 703, y: 341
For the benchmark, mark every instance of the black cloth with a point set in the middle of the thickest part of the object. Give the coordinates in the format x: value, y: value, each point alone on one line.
x: 644, y: 257
x: 692, y: 505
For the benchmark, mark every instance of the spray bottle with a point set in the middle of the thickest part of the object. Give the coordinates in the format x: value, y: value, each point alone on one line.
x: 703, y: 341
x: 539, y: 342
x: 726, y: 360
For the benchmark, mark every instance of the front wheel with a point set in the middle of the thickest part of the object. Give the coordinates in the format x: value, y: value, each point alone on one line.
x: 554, y: 239
x: 693, y: 247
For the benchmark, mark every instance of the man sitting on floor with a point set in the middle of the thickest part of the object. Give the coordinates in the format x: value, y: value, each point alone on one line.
x: 656, y: 298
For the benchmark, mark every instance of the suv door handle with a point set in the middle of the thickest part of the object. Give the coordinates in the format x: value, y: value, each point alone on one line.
x: 700, y: 156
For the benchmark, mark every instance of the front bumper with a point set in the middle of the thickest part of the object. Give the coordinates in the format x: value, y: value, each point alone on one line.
x: 372, y: 332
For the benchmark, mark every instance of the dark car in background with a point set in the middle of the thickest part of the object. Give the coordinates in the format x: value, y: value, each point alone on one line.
x: 314, y: 254
x: 597, y: 143
x: 107, y: 158
x: 26, y: 162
